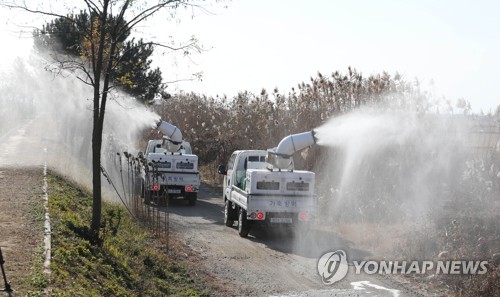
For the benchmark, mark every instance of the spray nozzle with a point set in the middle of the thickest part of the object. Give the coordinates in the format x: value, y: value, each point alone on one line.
x: 314, y: 136
x: 158, y: 122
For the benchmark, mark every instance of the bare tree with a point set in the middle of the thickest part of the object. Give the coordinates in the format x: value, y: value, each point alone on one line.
x: 99, y: 61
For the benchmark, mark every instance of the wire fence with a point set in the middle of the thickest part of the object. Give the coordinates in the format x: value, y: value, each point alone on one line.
x: 126, y: 176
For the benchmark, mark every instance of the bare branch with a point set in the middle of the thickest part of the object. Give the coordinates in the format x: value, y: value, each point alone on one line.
x: 147, y: 13
x: 74, y: 66
x: 200, y: 7
x: 190, y: 45
x: 92, y: 7
x: 92, y: 46
x: 35, y: 11
x: 179, y: 80
x: 117, y: 34
x: 84, y: 81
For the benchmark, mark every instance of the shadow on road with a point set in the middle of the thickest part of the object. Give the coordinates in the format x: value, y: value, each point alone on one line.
x: 204, y: 209
x: 207, y: 207
x: 309, y: 243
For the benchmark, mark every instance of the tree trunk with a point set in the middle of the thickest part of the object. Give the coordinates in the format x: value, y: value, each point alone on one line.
x: 96, y: 177
x: 97, y: 66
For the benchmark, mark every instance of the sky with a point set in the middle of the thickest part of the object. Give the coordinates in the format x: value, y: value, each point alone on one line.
x: 451, y: 47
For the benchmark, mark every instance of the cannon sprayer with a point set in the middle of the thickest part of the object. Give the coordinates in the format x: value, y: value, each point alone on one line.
x: 171, y: 135
x: 280, y: 157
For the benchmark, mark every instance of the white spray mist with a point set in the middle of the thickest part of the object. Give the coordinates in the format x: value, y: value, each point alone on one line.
x: 386, y: 155
x: 41, y: 110
x: 383, y: 170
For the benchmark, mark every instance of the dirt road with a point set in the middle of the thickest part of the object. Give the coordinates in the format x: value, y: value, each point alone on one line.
x: 268, y: 263
x: 21, y: 228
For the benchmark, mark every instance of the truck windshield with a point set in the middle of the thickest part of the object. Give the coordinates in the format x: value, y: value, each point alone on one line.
x: 256, y: 159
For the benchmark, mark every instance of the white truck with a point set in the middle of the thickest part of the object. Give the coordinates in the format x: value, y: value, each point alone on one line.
x: 262, y: 187
x: 171, y: 169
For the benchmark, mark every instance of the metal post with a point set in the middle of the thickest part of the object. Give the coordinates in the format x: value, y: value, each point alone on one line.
x: 156, y: 198
x: 167, y: 221
x: 7, y: 288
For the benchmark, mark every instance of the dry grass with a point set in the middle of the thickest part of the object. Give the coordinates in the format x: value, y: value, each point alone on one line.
x: 218, y: 126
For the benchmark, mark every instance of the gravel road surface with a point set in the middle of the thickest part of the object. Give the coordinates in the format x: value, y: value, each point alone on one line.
x: 268, y: 262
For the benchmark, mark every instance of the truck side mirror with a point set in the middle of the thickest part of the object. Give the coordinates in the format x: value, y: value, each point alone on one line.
x: 222, y: 169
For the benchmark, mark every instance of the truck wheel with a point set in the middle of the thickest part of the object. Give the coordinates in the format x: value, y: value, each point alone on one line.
x: 192, y: 199
x: 243, y: 224
x: 228, y: 211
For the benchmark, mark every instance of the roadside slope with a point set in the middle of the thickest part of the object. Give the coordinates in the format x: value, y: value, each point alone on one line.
x: 127, y: 260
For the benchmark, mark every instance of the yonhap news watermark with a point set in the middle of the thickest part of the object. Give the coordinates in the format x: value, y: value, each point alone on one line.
x: 333, y: 267
x: 421, y: 267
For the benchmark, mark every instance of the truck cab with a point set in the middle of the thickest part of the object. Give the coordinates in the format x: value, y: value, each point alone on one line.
x: 237, y: 166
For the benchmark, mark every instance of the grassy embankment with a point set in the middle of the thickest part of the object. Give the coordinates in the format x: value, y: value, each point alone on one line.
x: 127, y: 261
